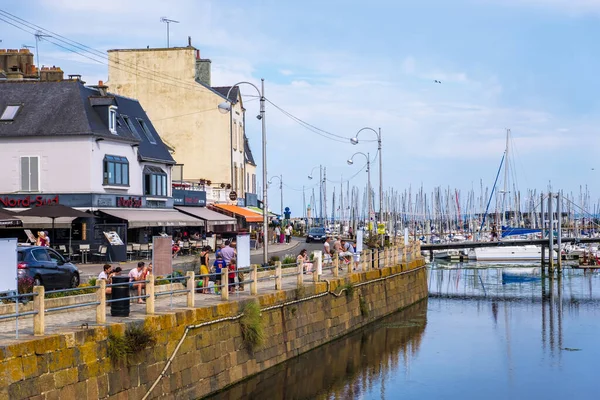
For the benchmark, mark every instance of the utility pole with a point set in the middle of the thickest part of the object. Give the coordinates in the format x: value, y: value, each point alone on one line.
x: 324, y: 196
x: 167, y: 22
x: 39, y: 35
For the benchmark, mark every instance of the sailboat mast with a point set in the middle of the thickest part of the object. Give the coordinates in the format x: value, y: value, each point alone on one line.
x: 505, y: 179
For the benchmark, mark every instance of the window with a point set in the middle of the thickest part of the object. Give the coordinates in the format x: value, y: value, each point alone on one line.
x: 155, y: 181
x: 131, y: 126
x: 146, y: 131
x: 241, y: 136
x: 234, y: 139
x: 30, y: 174
x: 112, y: 119
x: 10, y: 112
x: 116, y: 171
x: 40, y: 255
x: 55, y: 257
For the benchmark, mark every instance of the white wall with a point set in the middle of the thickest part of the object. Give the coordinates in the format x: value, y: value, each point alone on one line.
x: 70, y: 165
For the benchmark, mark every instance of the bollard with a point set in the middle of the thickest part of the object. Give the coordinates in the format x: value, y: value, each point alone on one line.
x: 351, y: 264
x: 317, y: 266
x: 404, y: 253
x: 101, y: 298
x: 277, y: 275
x: 224, y: 284
x: 254, y: 283
x: 39, y: 326
x: 300, y: 274
x: 150, y: 294
x: 191, y: 300
x: 336, y: 265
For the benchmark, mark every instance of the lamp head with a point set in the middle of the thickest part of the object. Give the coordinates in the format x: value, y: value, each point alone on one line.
x: 350, y: 161
x: 259, y: 117
x: 354, y: 140
x: 224, y: 107
x: 310, y: 177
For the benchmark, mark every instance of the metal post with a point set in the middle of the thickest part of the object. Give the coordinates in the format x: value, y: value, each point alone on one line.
x: 101, y: 298
x: 321, y: 194
x: 150, y: 294
x: 231, y: 144
x: 225, y: 284
x: 278, y: 275
x: 191, y: 289
x: 380, y: 176
x: 542, y: 226
x: 39, y: 326
x: 550, y: 233
x: 559, y: 227
x: 369, y: 192
x: 264, y: 157
x: 254, y: 283
x: 281, y: 193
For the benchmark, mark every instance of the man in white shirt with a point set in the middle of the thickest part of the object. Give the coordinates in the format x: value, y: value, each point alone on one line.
x: 277, y: 234
x: 288, y: 234
x: 326, y: 252
x: 138, y: 274
x: 106, y: 272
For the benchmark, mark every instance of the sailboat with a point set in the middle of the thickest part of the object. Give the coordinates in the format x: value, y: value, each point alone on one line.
x: 508, y: 253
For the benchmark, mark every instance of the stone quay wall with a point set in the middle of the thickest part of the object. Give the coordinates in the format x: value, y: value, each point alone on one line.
x: 210, y: 357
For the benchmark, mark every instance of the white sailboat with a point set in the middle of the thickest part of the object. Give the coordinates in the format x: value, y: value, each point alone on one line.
x: 508, y: 253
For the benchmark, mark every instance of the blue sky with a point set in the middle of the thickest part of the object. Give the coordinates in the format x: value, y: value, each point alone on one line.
x: 528, y: 65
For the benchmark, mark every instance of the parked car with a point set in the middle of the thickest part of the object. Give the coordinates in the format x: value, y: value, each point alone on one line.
x: 316, y: 235
x: 46, y: 267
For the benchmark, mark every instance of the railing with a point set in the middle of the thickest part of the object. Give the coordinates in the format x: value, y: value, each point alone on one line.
x: 368, y: 259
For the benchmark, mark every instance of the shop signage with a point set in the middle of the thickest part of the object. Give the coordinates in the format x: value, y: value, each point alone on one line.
x: 194, y: 198
x: 27, y: 201
x: 129, y: 202
x: 232, y: 195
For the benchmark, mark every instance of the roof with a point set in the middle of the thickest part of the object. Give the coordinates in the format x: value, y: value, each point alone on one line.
x: 211, y: 217
x: 234, y: 95
x: 250, y: 216
x: 260, y: 211
x: 68, y: 108
x: 159, y: 217
x: 248, y: 152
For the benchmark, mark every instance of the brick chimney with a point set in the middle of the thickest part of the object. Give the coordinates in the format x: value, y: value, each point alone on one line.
x: 202, y: 69
x: 54, y: 74
x: 18, y: 62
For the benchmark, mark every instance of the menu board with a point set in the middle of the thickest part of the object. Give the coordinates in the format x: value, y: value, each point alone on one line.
x: 30, y: 236
x: 162, y: 255
x: 113, y: 238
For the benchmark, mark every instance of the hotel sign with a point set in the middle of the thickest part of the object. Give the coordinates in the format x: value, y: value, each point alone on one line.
x: 193, y: 198
x: 27, y: 201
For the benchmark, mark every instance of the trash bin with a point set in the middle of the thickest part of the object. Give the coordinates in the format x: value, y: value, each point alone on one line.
x: 120, y: 308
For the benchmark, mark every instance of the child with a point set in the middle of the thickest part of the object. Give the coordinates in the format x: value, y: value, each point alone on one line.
x: 232, y: 268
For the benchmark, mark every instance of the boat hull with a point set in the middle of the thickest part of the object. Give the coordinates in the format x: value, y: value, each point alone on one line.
x: 508, y: 253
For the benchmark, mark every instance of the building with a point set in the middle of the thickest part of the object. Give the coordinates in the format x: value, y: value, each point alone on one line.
x: 63, y: 142
x: 174, y: 84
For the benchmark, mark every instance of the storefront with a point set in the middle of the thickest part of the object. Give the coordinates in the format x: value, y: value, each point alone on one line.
x: 247, y: 220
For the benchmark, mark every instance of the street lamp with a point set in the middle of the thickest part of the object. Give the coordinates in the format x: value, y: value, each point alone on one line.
x: 226, y: 107
x: 280, y: 177
x: 350, y: 162
x: 354, y: 140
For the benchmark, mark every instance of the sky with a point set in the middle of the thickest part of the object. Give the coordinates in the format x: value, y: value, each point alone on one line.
x: 527, y: 65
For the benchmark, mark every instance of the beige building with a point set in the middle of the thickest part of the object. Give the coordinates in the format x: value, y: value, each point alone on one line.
x: 174, y: 87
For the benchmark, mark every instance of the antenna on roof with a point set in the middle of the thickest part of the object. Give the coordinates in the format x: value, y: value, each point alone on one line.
x: 168, y: 21
x: 39, y: 35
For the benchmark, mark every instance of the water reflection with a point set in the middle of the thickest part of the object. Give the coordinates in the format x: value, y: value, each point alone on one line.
x: 348, y: 368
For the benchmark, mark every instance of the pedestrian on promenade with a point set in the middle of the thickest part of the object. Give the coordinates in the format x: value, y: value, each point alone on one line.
x: 228, y: 252
x: 288, y: 234
x: 232, y: 272
x: 326, y: 251
x: 218, y: 266
x: 137, y: 275
x: 303, y: 258
x: 277, y: 234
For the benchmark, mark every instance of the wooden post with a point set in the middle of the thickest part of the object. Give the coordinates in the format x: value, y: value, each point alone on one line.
x: 317, y: 266
x: 404, y: 254
x: 191, y: 290
x: 39, y: 326
x: 277, y: 275
x: 300, y: 274
x: 101, y: 299
x: 225, y: 284
x: 150, y: 294
x: 366, y: 257
x: 336, y: 265
x: 254, y: 283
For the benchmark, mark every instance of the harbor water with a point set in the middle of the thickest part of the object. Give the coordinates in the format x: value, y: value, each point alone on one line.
x: 486, y: 332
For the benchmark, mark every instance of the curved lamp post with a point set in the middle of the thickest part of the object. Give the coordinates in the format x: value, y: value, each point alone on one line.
x: 350, y: 162
x: 280, y: 177
x: 354, y: 140
x: 225, y: 107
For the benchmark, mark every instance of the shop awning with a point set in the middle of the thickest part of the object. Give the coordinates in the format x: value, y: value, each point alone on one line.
x: 151, y: 217
x: 260, y: 211
x: 209, y: 216
x: 249, y: 215
x: 46, y: 223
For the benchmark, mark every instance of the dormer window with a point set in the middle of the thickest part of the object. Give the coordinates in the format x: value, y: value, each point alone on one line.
x: 146, y: 131
x: 112, y: 119
x: 10, y: 112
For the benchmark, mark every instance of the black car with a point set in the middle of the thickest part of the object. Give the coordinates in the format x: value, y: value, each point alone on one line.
x: 316, y: 235
x: 46, y: 267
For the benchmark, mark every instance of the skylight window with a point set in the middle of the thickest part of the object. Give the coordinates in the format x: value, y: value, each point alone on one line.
x: 10, y: 112
x: 131, y: 126
x: 147, y: 131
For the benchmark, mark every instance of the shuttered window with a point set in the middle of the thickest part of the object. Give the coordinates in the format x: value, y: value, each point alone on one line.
x: 30, y: 174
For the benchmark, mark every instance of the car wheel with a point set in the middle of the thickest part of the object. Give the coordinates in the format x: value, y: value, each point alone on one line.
x: 307, y: 240
x: 74, y: 281
x: 37, y: 281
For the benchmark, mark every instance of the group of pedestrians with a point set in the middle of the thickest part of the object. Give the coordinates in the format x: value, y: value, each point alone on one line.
x: 283, y: 236
x: 225, y: 257
x: 344, y: 250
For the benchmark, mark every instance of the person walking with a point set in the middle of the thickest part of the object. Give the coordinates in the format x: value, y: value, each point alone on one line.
x: 288, y: 234
x: 277, y: 234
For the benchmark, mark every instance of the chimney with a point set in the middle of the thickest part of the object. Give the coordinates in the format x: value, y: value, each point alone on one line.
x: 102, y: 88
x: 54, y: 74
x: 202, y: 69
x: 189, y: 41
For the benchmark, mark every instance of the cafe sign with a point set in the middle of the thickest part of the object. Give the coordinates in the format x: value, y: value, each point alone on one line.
x: 129, y: 202
x: 27, y: 201
x: 194, y: 198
